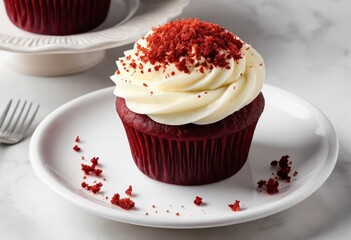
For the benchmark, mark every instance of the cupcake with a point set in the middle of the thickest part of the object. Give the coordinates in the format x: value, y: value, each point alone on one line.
x: 57, y: 17
x: 189, y: 97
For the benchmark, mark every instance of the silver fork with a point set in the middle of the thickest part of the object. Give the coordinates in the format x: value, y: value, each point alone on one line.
x: 14, y: 124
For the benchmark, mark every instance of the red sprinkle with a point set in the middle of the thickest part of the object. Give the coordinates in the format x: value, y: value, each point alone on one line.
x: 94, y: 161
x: 133, y: 65
x: 235, y: 206
x: 190, y: 39
x: 198, y: 201
x: 129, y: 190
x: 76, y: 148
x: 77, y: 139
x: 125, y: 203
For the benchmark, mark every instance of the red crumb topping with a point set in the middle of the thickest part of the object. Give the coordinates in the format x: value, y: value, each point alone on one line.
x: 182, y: 41
x: 129, y: 190
x: 77, y: 148
x: 77, y: 139
x: 235, y: 206
x: 177, y: 214
x: 93, y: 188
x: 198, y: 201
x: 125, y: 203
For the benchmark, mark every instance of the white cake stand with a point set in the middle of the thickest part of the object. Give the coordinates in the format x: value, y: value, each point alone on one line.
x: 45, y: 55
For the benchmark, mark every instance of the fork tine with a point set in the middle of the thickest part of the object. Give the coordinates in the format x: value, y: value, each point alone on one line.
x: 25, y: 116
x: 12, y: 115
x: 3, y: 116
x: 30, y: 121
x: 18, y: 117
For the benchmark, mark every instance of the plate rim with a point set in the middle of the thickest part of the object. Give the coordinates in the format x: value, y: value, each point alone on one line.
x: 115, y: 36
x: 185, y: 223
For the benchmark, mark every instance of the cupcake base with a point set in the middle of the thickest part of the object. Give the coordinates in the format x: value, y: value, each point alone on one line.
x: 57, y: 17
x: 191, y: 154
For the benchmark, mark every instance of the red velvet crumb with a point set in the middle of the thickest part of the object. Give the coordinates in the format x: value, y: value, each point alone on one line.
x: 182, y: 41
x: 87, y: 169
x: 93, y: 188
x: 129, y: 190
x: 77, y: 148
x: 272, y: 186
x: 261, y: 183
x: 198, y: 201
x: 283, y: 170
x: 125, y: 203
x: 77, y: 139
x: 235, y: 206
x: 95, y: 161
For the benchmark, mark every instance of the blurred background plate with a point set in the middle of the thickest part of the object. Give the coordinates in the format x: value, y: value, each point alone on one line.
x: 47, y: 55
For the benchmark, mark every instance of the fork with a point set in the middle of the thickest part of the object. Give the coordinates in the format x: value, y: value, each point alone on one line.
x: 14, y: 124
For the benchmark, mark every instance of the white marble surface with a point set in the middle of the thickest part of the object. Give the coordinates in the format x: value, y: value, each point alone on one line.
x: 306, y: 46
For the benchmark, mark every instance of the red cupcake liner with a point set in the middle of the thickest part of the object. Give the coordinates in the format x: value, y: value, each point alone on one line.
x: 190, y: 162
x: 191, y: 154
x: 57, y: 17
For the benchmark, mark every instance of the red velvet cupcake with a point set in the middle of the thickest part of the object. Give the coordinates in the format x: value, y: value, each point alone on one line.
x: 57, y: 17
x: 189, y: 97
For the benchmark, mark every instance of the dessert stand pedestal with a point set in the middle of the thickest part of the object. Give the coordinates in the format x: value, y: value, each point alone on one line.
x: 55, y: 64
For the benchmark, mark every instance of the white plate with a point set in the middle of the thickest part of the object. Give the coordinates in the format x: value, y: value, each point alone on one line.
x: 126, y: 22
x: 289, y: 125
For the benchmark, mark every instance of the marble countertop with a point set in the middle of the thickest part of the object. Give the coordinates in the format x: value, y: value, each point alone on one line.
x: 306, y: 47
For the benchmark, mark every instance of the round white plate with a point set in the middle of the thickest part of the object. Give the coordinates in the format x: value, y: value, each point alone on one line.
x: 289, y: 125
x: 126, y: 21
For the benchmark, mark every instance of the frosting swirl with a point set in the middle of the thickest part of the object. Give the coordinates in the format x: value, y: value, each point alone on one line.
x: 190, y: 88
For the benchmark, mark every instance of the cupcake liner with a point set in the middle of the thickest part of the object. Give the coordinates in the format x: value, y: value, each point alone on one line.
x: 191, y: 154
x: 57, y: 17
x: 190, y: 162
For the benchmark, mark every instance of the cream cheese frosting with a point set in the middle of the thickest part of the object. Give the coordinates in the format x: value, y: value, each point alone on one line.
x: 200, y: 96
